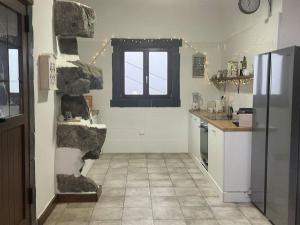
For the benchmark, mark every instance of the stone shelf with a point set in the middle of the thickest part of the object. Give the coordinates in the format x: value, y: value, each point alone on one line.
x: 89, y: 138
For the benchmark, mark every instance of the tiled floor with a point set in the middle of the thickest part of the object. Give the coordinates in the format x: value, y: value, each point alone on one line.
x: 153, y: 189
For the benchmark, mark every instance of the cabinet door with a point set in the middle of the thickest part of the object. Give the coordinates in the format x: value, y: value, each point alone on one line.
x: 196, y: 137
x: 216, y: 154
x: 190, y: 134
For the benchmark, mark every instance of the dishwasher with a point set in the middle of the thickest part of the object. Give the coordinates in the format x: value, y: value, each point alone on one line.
x: 204, y: 143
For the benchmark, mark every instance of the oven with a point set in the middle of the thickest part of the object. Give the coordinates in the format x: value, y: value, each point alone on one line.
x: 204, y: 143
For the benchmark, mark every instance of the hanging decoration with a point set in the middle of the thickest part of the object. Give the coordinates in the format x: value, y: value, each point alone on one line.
x: 107, y: 43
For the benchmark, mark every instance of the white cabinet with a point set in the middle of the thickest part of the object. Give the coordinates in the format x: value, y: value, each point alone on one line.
x: 229, y: 163
x: 194, y: 136
x: 216, y: 155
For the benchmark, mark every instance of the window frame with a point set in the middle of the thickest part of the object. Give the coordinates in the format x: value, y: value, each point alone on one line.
x: 171, y: 46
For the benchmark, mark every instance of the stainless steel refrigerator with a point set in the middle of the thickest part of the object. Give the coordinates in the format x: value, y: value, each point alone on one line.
x: 276, y: 136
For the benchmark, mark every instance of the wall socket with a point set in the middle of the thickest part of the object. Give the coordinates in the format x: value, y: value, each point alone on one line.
x: 141, y: 132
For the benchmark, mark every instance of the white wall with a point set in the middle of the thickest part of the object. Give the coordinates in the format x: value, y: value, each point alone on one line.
x: 289, y: 32
x: 248, y: 35
x: 165, y: 129
x: 45, y: 109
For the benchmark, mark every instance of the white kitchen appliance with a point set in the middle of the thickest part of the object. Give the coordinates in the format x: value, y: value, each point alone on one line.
x: 197, y: 101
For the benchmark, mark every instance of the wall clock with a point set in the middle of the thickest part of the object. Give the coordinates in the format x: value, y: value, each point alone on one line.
x: 249, y: 6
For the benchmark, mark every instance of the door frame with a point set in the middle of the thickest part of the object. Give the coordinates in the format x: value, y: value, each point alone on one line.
x: 31, y: 113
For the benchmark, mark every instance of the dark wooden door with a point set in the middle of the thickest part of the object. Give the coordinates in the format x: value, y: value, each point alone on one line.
x: 14, y: 130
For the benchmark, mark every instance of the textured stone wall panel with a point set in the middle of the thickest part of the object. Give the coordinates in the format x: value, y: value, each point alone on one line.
x: 68, y: 46
x: 87, y: 139
x: 77, y: 105
x: 74, y: 20
x: 95, y: 74
x: 78, y: 80
x: 70, y: 183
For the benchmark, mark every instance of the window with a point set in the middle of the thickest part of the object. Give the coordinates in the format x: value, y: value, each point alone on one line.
x: 146, y: 73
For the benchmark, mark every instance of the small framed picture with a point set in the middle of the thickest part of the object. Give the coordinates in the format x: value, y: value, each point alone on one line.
x: 199, y: 62
x: 232, y: 68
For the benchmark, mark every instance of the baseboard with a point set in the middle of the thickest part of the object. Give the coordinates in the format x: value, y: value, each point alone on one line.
x: 42, y: 219
x: 68, y: 198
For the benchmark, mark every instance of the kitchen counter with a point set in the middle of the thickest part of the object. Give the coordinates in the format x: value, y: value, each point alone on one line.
x: 222, y: 124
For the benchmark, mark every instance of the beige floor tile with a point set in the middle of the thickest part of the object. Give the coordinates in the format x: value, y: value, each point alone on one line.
x: 137, y: 222
x: 197, y: 213
x: 137, y: 183
x: 137, y: 192
x: 197, y: 176
x: 113, y: 222
x: 114, y: 183
x: 234, y: 222
x: 118, y: 170
x: 162, y: 191
x: 106, y: 201
x: 169, y: 222
x: 202, y: 222
x: 208, y: 192
x: 76, y: 214
x: 159, y: 176
x: 132, y: 169
x: 168, y: 161
x: 113, y: 191
x: 56, y: 213
x: 217, y: 201
x: 202, y: 183
x: 137, y: 176
x: 227, y: 213
x: 98, y: 171
x: 193, y: 170
x: 137, y: 165
x: 71, y: 223
x: 260, y: 222
x: 140, y: 187
x: 175, y: 165
x: 107, y: 214
x: 187, y: 191
x: 192, y: 201
x: 115, y: 176
x: 158, y: 201
x: 158, y: 170
x: 116, y: 165
x: 251, y: 212
x: 177, y: 170
x: 191, y: 165
x: 98, y: 178
x: 156, y: 164
x: 161, y: 183
x: 180, y: 176
x: 167, y: 213
x: 81, y: 205
x: 48, y: 222
x: 172, y: 155
x: 137, y: 202
x: 137, y: 214
x: 184, y: 183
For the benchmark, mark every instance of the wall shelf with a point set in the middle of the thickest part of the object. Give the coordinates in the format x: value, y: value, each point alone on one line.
x: 237, y: 81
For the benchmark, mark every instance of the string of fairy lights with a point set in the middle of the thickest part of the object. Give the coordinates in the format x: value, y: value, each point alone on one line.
x: 107, y: 44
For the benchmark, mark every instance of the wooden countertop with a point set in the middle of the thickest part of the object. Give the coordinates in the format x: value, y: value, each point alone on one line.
x: 224, y: 125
